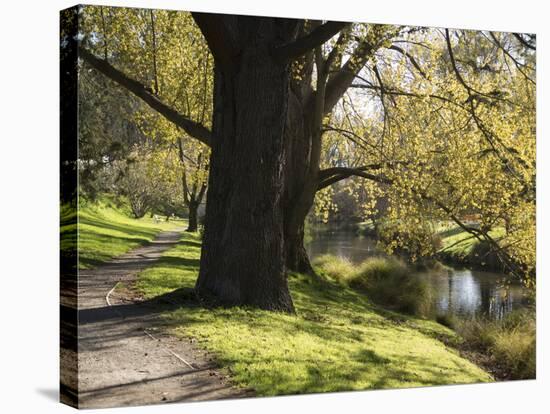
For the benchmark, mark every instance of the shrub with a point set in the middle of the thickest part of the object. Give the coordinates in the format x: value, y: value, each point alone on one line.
x: 447, y: 320
x: 386, y: 281
x: 337, y: 268
x: 377, y: 269
x: 389, y: 282
x: 510, y: 342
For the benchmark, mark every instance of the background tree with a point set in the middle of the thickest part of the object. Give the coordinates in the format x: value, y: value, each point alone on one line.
x: 187, y: 159
x: 194, y: 178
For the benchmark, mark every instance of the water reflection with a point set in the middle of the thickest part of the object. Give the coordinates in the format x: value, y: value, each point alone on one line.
x: 470, y: 292
x: 461, y: 292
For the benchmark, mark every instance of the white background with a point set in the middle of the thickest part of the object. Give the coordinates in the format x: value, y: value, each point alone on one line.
x: 29, y: 206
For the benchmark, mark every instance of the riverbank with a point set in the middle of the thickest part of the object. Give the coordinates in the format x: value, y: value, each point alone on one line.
x: 338, y: 340
x: 459, y: 247
x: 505, y: 345
x: 455, y: 246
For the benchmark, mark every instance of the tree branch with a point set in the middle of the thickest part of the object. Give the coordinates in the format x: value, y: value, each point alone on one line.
x: 480, y: 235
x: 326, y: 173
x: 183, y: 174
x: 404, y: 93
x: 335, y: 174
x: 411, y: 59
x: 339, y: 83
x: 336, y: 51
x: 154, y: 39
x: 524, y: 42
x: 343, y: 173
x: 219, y: 39
x: 490, y: 137
x: 192, y: 128
x: 507, y: 53
x: 309, y: 42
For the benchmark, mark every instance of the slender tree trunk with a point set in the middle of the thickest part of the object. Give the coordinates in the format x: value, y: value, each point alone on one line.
x: 193, y: 218
x: 300, y: 182
x: 242, y: 260
x: 304, y: 141
x: 296, y: 210
x: 138, y: 206
x: 298, y: 200
x: 297, y: 258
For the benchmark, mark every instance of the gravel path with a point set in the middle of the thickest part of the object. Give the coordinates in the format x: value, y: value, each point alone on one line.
x: 124, y: 358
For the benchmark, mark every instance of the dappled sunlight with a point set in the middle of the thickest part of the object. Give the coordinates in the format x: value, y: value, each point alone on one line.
x: 105, y: 231
x: 340, y: 191
x: 336, y: 341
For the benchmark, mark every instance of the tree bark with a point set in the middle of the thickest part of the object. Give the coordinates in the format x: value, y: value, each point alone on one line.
x: 304, y: 142
x: 298, y: 200
x: 297, y: 258
x: 242, y: 259
x: 193, y: 218
x: 304, y: 123
x: 248, y: 168
x: 298, y: 203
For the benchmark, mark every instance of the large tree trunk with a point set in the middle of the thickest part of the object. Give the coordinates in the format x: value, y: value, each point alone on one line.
x: 242, y: 260
x: 193, y: 217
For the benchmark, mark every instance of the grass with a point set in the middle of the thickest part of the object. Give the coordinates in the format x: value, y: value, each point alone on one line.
x: 510, y: 343
x: 106, y: 230
x: 461, y: 246
x: 366, y: 227
x: 339, y: 268
x: 385, y: 280
x: 338, y: 340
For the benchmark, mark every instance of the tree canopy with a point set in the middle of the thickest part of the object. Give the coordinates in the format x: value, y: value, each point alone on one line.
x: 439, y: 123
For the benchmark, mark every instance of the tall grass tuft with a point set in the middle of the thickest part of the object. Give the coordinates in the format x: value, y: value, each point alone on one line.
x: 510, y: 342
x: 337, y: 268
x: 385, y: 280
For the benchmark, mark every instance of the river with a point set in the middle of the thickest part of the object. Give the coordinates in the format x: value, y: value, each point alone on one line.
x: 458, y: 291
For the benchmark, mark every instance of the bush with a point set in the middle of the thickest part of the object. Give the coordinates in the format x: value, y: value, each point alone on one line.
x: 386, y: 281
x: 338, y: 268
x: 510, y: 342
x: 447, y: 320
x: 389, y: 282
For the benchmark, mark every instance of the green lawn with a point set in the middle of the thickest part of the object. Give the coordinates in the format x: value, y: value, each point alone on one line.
x: 106, y: 230
x: 336, y: 341
x: 458, y: 243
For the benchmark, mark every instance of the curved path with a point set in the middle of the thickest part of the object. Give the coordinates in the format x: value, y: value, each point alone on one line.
x: 124, y: 358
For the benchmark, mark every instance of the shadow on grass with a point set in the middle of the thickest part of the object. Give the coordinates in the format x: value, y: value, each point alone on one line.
x: 184, y: 297
x: 92, y: 251
x: 346, y: 369
x: 451, y: 232
x: 190, y: 243
x: 137, y: 230
x: 177, y: 262
x: 336, y: 341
